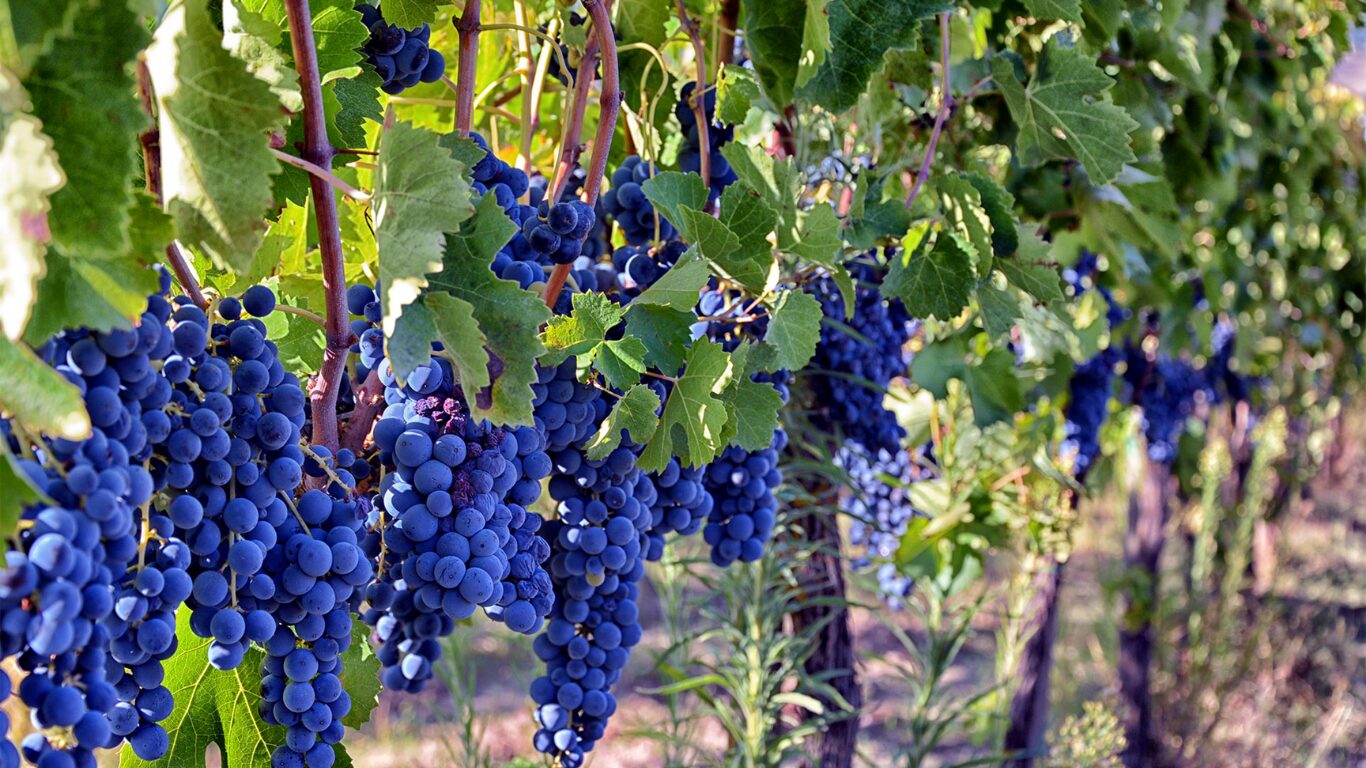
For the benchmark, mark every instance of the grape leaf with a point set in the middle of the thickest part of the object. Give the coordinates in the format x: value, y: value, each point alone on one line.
x: 463, y: 339
x: 29, y: 29
x: 861, y: 32
x: 339, y: 33
x: 751, y: 405
x: 940, y: 361
x: 1000, y: 310
x: 1030, y: 270
x: 1067, y: 10
x: 215, y: 124
x: 583, y: 334
x: 95, y: 293
x: 410, y: 345
x: 665, y: 332
x: 37, y: 396
x: 775, y: 44
x: 815, y: 40
x: 934, y: 284
x: 420, y: 195
x: 1064, y: 113
x: 750, y: 220
x: 19, y: 491
x: 509, y: 317
x: 736, y: 92
x: 964, y: 214
x: 997, y: 394
x: 679, y: 287
x: 872, y: 219
x: 819, y: 242
x: 694, y: 417
x: 672, y: 191
x: 714, y: 240
x: 640, y: 21
x: 257, y: 41
x: 357, y: 101
x: 794, y: 329
x: 776, y: 182
x: 31, y: 175
x: 88, y: 106
x: 1000, y: 207
x: 360, y: 677
x: 633, y: 412
x: 410, y: 13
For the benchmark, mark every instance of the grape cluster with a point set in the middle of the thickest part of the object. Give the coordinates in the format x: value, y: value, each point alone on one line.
x: 401, y: 57
x: 639, y: 266
x: 442, y: 532
x: 880, y: 508
x: 1228, y: 383
x: 625, y: 202
x: 83, y: 615
x: 319, y: 568
x: 233, y: 463
x: 595, y: 245
x: 1167, y: 389
x: 683, y: 504
x: 597, y: 541
x: 1087, y: 406
x: 857, y: 359
x: 744, y: 511
x: 690, y: 153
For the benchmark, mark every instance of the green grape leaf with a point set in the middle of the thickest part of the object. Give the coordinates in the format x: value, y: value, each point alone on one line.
x: 997, y: 393
x: 28, y: 30
x: 31, y: 175
x: 463, y: 339
x: 1000, y: 208
x: 750, y: 221
x: 1031, y: 270
x: 679, y: 287
x: 775, y: 44
x: 819, y: 242
x: 339, y: 34
x: 1064, y: 113
x: 216, y: 119
x: 357, y: 101
x: 38, y: 397
x: 672, y: 191
x: 694, y: 416
x: 714, y: 240
x: 964, y: 214
x: 940, y: 361
x: 937, y: 283
x: 1066, y: 10
x: 861, y: 32
x: 94, y: 293
x: 633, y: 412
x: 211, y: 707
x: 736, y: 92
x: 665, y: 332
x: 871, y: 219
x: 509, y: 317
x: 410, y: 13
x: 777, y: 183
x: 19, y: 491
x: 815, y: 40
x: 794, y: 329
x: 753, y: 407
x: 640, y: 21
x: 360, y: 677
x: 420, y: 195
x: 583, y: 334
x: 257, y: 41
x: 410, y: 345
x: 89, y: 107
x: 1000, y: 310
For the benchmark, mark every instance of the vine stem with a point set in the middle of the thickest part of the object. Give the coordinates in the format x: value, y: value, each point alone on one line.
x: 318, y: 151
x: 467, y: 67
x: 730, y: 17
x: 151, y: 164
x: 319, y: 172
x: 609, y: 106
x: 699, y: 109
x: 369, y: 401
x: 945, y: 106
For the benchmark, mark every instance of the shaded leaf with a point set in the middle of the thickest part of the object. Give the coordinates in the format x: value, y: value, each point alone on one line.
x: 38, y: 397
x: 861, y: 32
x: 937, y: 283
x: 633, y: 412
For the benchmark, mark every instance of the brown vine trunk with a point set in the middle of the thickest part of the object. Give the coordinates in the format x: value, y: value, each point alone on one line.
x: 1029, y: 707
x: 1148, y: 512
x: 834, y: 643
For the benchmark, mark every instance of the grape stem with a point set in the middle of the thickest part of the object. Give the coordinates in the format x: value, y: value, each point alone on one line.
x: 945, y: 106
x: 699, y: 109
x: 318, y: 151
x: 319, y: 172
x: 730, y: 17
x: 151, y: 165
x: 609, y: 106
x: 369, y: 401
x: 312, y: 317
x: 467, y: 24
